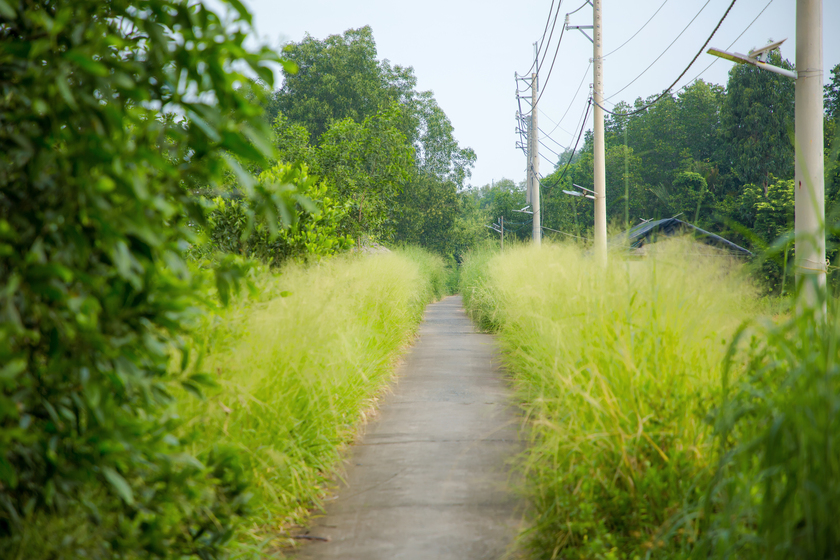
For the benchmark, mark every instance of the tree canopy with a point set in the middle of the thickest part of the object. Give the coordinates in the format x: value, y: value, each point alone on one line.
x: 386, y: 148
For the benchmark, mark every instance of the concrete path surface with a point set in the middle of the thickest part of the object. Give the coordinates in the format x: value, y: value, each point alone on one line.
x: 430, y: 477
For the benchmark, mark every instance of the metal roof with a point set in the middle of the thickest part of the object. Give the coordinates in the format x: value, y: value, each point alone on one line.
x: 648, y: 232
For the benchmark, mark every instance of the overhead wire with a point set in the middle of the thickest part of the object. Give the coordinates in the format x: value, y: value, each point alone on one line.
x: 580, y: 8
x: 556, y: 50
x: 564, y: 233
x: 557, y: 124
x: 663, y: 52
x: 550, y: 35
x: 581, y: 122
x: 549, y: 149
x: 730, y: 44
x: 669, y: 88
x: 572, y: 156
x: 638, y: 31
x: 544, y: 31
x: 552, y: 139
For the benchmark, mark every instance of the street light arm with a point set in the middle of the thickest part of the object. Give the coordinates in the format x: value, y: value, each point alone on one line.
x: 748, y: 59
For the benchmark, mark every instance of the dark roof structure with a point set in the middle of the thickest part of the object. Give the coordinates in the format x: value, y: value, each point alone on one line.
x: 650, y: 232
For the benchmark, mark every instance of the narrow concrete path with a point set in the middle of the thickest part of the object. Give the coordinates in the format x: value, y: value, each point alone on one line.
x: 430, y: 477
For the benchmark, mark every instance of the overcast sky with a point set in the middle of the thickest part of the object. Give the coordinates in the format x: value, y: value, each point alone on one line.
x: 467, y: 51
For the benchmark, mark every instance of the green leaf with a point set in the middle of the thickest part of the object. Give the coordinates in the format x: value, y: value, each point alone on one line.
x: 7, y: 11
x: 204, y: 379
x: 7, y: 473
x: 120, y: 485
x: 12, y: 369
x: 211, y: 132
x: 86, y: 63
x: 241, y: 10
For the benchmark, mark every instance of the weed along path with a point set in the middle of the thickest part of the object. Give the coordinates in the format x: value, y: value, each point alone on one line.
x: 430, y: 477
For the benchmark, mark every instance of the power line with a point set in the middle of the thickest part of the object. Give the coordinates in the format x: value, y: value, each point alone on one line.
x: 542, y: 155
x: 557, y: 50
x: 552, y: 139
x: 639, y: 31
x: 543, y: 35
x: 564, y: 233
x: 582, y: 127
x: 550, y: 35
x: 663, y: 52
x: 668, y: 90
x: 579, y: 9
x: 730, y: 44
x: 557, y: 124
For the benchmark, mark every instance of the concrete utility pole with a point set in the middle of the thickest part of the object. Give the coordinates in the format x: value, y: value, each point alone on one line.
x: 809, y: 183
x: 502, y: 222
x: 528, y: 148
x: 600, y: 168
x: 532, y: 152
x: 534, y: 163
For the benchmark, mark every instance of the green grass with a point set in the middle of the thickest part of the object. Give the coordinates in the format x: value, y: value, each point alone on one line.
x: 299, y: 364
x: 617, y: 370
x: 776, y: 483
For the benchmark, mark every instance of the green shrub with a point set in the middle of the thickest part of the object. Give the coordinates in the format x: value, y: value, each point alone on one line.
x: 312, y: 229
x: 110, y: 113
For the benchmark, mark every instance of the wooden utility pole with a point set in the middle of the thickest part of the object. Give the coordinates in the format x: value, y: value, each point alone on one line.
x: 809, y: 183
x: 600, y: 168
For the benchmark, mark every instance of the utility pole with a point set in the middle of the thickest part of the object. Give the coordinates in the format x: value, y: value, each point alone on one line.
x: 528, y: 123
x: 534, y: 160
x: 600, y: 168
x: 809, y: 186
x: 529, y: 186
x: 502, y: 222
x: 809, y: 182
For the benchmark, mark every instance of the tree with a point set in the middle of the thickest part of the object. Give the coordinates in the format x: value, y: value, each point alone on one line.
x: 688, y: 195
x: 774, y: 213
x: 428, y: 209
x: 640, y: 203
x: 374, y: 137
x: 699, y: 108
x: 757, y: 120
x: 832, y: 94
x: 658, y: 138
x: 501, y: 200
x: 311, y: 233
x: 369, y: 164
x: 339, y: 78
x: 437, y: 151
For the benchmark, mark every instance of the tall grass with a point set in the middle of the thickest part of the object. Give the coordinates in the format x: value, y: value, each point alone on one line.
x: 297, y: 365
x: 776, y: 487
x: 616, y: 369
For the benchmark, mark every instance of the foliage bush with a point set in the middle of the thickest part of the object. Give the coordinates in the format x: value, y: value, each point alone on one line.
x: 615, y: 369
x: 313, y: 224
x: 110, y: 113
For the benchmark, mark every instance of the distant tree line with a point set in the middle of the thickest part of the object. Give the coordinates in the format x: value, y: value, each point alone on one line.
x: 718, y: 157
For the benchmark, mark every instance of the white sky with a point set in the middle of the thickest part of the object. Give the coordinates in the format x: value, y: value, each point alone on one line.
x: 467, y: 51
